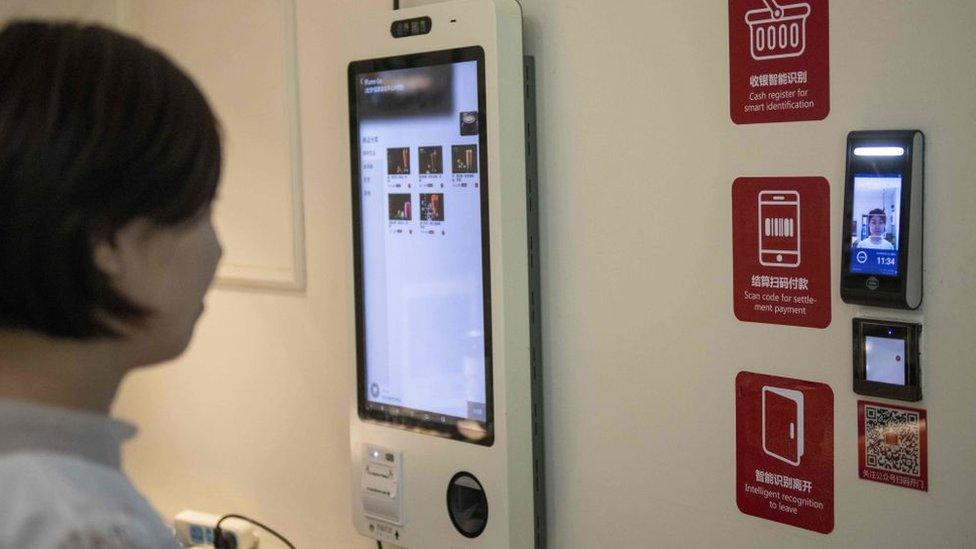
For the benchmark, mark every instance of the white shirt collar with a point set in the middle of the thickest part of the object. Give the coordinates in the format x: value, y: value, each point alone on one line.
x: 34, y: 427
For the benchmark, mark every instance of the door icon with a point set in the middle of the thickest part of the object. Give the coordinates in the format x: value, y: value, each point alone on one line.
x: 782, y: 429
x: 779, y: 228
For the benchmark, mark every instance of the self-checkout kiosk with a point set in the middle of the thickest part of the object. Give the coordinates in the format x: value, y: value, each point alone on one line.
x: 446, y: 428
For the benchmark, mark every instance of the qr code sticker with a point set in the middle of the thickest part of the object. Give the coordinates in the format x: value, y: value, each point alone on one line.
x: 892, y: 440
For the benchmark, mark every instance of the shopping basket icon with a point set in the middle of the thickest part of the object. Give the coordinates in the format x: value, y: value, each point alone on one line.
x: 776, y: 31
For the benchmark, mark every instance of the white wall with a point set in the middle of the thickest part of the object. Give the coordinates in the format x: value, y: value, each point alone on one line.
x: 641, y: 344
x: 637, y: 160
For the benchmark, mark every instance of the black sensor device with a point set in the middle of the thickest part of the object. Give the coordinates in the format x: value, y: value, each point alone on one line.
x: 887, y: 359
x: 881, y: 261
x: 410, y: 27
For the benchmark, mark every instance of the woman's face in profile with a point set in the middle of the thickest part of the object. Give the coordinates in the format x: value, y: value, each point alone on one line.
x: 166, y: 269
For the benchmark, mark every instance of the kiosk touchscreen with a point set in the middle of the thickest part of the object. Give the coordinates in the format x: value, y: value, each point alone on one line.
x: 443, y: 445
x: 422, y: 244
x: 882, y: 225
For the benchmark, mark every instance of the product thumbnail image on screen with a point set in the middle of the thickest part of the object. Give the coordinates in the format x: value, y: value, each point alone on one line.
x: 432, y: 207
x: 398, y: 161
x: 423, y: 244
x: 465, y: 158
x: 874, y: 226
x: 431, y: 160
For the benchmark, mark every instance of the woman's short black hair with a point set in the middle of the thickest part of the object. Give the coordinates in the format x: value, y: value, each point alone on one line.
x: 96, y: 129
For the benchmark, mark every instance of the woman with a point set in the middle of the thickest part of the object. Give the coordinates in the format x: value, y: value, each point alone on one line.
x: 109, y: 161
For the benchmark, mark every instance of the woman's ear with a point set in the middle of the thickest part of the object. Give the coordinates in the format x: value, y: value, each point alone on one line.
x: 113, y: 249
x: 106, y: 254
x: 117, y: 253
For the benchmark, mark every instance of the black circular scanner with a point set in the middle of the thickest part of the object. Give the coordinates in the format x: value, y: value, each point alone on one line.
x: 467, y: 505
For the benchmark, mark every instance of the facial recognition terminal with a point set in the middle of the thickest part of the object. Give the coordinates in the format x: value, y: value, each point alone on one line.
x: 887, y: 359
x: 446, y: 432
x: 881, y: 262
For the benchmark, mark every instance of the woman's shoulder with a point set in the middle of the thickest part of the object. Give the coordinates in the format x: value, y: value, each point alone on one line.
x: 32, y: 474
x: 55, y: 500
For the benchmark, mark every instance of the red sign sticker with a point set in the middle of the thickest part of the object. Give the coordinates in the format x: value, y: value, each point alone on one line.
x: 892, y: 445
x: 779, y: 60
x: 784, y: 448
x: 781, y: 250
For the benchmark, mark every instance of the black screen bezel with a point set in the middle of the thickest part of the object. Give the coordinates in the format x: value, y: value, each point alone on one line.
x: 396, y: 416
x: 912, y: 389
x: 857, y: 287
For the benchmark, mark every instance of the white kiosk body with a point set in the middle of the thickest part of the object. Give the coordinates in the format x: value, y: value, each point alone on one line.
x: 443, y: 414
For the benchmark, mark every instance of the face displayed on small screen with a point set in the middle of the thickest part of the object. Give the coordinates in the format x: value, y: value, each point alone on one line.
x: 874, y: 240
x: 885, y: 359
x: 422, y: 214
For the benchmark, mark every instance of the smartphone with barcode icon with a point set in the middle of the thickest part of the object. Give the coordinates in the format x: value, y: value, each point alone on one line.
x: 779, y: 228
